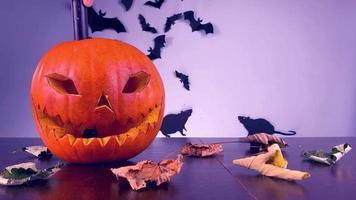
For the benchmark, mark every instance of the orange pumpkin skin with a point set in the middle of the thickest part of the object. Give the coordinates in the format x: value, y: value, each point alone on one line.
x: 97, y: 84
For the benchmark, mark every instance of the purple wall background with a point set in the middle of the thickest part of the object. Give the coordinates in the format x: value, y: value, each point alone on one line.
x: 292, y: 62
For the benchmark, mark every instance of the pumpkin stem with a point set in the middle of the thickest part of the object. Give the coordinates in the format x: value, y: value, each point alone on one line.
x: 80, y: 20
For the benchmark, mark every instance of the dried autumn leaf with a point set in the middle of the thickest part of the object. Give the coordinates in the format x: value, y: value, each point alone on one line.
x: 26, y: 172
x: 264, y: 139
x: 260, y: 163
x: 201, y: 150
x: 40, y: 152
x: 337, y: 152
x: 149, y: 171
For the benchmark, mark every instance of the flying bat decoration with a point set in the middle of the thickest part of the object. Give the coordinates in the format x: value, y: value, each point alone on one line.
x: 155, y: 3
x: 127, y: 4
x: 171, y: 21
x: 196, y: 24
x: 183, y: 79
x: 159, y: 43
x: 146, y: 26
x: 97, y: 22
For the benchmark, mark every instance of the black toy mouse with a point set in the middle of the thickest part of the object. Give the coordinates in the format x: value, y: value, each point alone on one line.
x: 260, y: 125
x: 254, y: 126
x: 173, y: 123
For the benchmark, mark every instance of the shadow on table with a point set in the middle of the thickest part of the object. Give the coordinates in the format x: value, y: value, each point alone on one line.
x: 271, y: 188
x: 26, y: 191
x: 340, y: 171
x: 164, y: 191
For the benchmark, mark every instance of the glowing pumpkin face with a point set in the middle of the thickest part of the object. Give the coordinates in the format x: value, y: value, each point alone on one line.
x: 97, y: 100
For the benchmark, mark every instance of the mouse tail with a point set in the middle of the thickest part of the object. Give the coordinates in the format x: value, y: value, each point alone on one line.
x: 290, y: 133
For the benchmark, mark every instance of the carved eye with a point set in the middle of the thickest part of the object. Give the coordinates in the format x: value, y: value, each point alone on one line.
x: 62, y: 84
x: 137, y: 82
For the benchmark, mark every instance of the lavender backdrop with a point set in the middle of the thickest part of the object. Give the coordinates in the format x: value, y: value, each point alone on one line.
x: 292, y: 62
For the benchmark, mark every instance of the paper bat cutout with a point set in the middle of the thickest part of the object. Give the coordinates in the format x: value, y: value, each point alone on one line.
x: 149, y: 171
x: 171, y: 21
x: 196, y: 24
x: 155, y: 3
x: 146, y: 26
x: 262, y: 164
x: 337, y: 152
x: 264, y: 139
x: 26, y: 172
x: 183, y: 79
x: 97, y: 22
x: 155, y: 52
x: 40, y: 152
x: 127, y: 4
x: 201, y: 150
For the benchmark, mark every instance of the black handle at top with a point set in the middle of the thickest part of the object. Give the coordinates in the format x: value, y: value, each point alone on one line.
x: 80, y: 20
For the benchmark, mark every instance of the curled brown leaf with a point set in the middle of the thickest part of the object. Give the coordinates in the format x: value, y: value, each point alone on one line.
x: 149, y: 171
x: 201, y: 150
x: 265, y: 139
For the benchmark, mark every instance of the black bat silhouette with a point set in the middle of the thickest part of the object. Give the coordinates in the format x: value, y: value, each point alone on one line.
x: 197, y: 25
x: 155, y: 52
x: 171, y: 21
x: 127, y: 4
x: 155, y: 3
x: 146, y: 26
x: 97, y: 22
x: 183, y: 79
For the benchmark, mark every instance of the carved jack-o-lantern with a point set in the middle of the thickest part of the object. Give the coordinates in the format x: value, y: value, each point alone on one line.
x: 97, y: 100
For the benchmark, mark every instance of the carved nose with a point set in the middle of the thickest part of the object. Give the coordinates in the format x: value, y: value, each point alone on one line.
x: 103, y: 102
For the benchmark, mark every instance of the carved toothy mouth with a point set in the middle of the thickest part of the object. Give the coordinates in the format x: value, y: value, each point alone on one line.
x: 55, y: 126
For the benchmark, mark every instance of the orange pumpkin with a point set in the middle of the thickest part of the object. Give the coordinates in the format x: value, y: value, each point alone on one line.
x: 97, y: 100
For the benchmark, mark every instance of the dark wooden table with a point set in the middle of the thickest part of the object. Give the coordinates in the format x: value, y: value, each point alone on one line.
x: 208, y: 178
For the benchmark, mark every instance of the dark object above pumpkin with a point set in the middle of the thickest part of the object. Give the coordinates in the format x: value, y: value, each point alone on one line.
x: 97, y: 22
x: 196, y: 24
x: 127, y: 4
x: 159, y: 43
x: 155, y: 3
x: 146, y: 26
x: 183, y: 79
